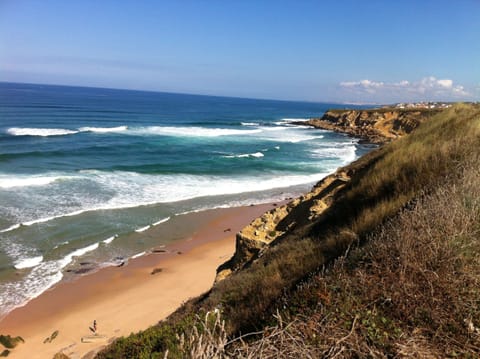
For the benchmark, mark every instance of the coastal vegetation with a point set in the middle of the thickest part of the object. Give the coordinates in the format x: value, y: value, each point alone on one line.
x: 390, y: 268
x: 9, y: 343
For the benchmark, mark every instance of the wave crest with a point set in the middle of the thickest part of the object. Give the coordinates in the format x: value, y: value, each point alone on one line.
x: 191, y: 131
x: 43, y: 132
x: 103, y: 129
x: 246, y: 155
x: 143, y: 131
x: 25, y: 181
x: 28, y: 262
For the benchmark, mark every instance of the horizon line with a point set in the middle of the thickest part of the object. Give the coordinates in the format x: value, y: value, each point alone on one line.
x: 198, y: 94
x: 180, y: 93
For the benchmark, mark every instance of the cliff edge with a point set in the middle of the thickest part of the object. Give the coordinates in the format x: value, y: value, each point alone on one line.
x: 274, y: 224
x: 374, y: 125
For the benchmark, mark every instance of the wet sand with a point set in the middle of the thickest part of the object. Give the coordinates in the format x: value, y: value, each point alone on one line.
x: 129, y: 298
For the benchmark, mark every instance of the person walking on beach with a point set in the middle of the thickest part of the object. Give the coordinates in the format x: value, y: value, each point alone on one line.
x: 93, y: 328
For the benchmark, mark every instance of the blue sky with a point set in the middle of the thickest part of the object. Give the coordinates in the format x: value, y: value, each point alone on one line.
x: 334, y: 51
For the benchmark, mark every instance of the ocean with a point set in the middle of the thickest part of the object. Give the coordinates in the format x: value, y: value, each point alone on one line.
x: 86, y: 174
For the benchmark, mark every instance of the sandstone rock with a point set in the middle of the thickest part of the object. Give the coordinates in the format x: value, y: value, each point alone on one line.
x: 252, y: 240
x: 374, y: 126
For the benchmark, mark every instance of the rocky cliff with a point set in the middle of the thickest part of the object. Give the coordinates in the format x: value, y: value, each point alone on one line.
x: 274, y: 224
x: 375, y: 125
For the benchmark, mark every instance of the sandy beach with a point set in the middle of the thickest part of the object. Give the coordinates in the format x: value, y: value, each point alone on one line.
x: 129, y: 298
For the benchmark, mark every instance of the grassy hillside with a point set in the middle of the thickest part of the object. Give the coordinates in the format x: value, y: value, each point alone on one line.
x: 411, y: 291
x: 390, y: 269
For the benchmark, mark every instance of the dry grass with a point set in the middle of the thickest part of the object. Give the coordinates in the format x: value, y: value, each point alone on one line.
x: 207, y: 342
x: 412, y: 292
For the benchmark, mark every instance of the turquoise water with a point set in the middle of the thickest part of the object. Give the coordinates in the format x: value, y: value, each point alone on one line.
x: 86, y: 174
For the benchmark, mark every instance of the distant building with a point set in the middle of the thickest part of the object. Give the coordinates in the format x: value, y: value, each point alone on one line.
x: 430, y: 105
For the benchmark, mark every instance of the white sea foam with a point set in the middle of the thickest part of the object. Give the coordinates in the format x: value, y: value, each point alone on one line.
x: 138, y: 255
x: 288, y: 122
x: 143, y: 229
x: 76, y: 213
x: 77, y: 253
x: 42, y: 276
x: 291, y: 136
x: 122, y: 190
x: 161, y: 221
x: 43, y: 220
x: 128, y: 190
x: 181, y: 131
x: 28, y: 262
x: 190, y: 131
x: 135, y: 189
x: 110, y: 239
x: 46, y: 132
x: 11, y: 228
x: 10, y: 181
x: 187, y: 187
x: 272, y: 128
x: 50, y: 218
x: 246, y: 155
x: 16, y: 294
x: 345, y: 153
x: 103, y: 129
x: 256, y: 154
x: 43, y: 132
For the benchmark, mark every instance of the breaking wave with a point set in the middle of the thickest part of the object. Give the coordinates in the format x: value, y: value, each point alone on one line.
x: 43, y: 132
x: 28, y: 262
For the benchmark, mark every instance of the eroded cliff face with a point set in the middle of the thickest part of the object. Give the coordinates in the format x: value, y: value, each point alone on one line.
x: 274, y: 224
x: 374, y: 126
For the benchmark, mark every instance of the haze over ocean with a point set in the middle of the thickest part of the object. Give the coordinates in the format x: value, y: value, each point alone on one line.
x: 85, y: 173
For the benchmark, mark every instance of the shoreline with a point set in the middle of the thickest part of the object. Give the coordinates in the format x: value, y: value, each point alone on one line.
x: 184, y: 269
